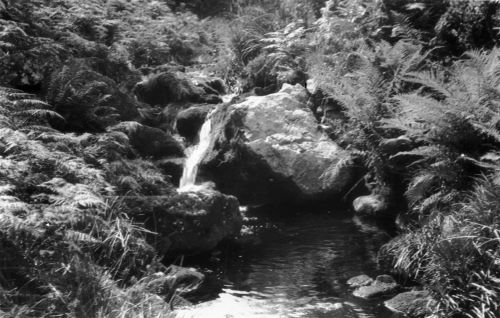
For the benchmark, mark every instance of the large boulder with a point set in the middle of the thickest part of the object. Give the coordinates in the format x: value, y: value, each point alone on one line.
x: 164, y: 88
x: 190, y: 222
x: 270, y: 148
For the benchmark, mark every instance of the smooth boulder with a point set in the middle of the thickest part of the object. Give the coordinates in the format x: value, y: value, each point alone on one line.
x: 270, y: 149
x: 412, y: 304
x: 187, y: 223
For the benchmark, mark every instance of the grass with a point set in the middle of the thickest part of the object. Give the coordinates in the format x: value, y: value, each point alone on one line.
x: 450, y: 110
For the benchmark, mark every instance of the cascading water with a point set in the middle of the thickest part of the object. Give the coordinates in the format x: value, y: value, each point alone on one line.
x: 188, y: 179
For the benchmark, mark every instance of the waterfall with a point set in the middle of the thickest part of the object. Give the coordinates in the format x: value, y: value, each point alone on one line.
x: 188, y: 179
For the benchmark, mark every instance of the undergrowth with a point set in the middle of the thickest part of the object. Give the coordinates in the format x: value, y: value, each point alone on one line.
x: 376, y: 85
x: 66, y: 247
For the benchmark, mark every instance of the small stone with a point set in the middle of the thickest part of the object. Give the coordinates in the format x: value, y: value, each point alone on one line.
x: 183, y: 279
x: 372, y: 205
x: 360, y: 280
x: 382, y: 286
x: 312, y: 86
x: 413, y: 304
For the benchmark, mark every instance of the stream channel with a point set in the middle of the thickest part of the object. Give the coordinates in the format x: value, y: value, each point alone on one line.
x: 292, y: 265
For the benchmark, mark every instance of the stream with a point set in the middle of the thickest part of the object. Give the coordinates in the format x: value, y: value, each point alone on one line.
x: 293, y: 266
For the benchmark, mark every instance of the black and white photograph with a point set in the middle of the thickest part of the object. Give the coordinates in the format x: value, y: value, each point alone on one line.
x: 249, y: 159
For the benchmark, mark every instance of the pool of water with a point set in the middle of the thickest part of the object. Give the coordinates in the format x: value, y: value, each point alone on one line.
x: 293, y: 266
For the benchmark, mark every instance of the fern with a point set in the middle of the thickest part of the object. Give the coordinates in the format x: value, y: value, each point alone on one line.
x: 80, y: 237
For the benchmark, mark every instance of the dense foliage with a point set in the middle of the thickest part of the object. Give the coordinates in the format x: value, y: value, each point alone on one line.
x: 67, y: 247
x: 403, y: 78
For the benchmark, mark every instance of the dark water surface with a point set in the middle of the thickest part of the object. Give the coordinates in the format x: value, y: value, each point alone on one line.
x: 294, y: 266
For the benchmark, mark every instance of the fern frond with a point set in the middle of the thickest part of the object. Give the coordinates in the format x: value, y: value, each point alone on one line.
x: 31, y: 103
x: 14, y: 96
x: 430, y: 79
x: 10, y: 204
x: 419, y: 187
x: 40, y: 114
x: 80, y: 237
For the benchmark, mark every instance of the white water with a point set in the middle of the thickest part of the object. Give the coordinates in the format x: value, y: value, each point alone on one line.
x: 188, y: 179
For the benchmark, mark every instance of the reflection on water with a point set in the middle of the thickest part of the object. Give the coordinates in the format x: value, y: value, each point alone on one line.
x: 296, y: 267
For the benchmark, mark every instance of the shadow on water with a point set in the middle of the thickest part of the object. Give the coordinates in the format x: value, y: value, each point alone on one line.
x: 291, y: 265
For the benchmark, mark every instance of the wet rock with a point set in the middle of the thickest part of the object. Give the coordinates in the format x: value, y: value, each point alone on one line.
x: 270, y: 149
x: 370, y: 205
x: 211, y: 99
x: 189, y: 121
x: 183, y: 279
x: 150, y: 141
x: 190, y: 222
x: 164, y: 88
x: 172, y: 167
x: 168, y: 87
x: 266, y: 90
x: 210, y: 85
x: 395, y: 145
x: 312, y: 86
x: 360, y: 280
x: 382, y: 286
x: 412, y: 304
x: 175, y: 279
